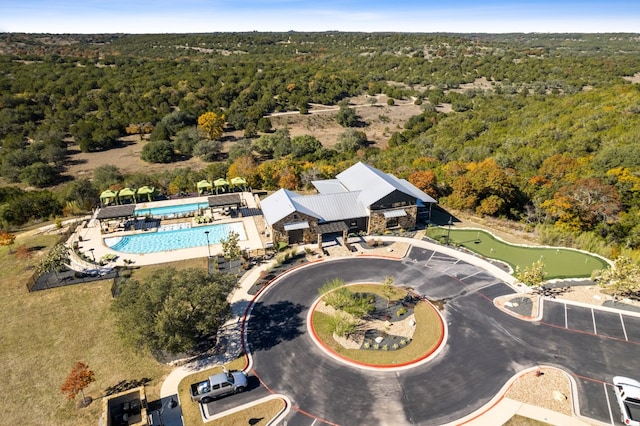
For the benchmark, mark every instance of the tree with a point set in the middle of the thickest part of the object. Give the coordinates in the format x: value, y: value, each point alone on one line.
x: 106, y: 176
x: 39, y: 175
x: 55, y: 260
x: 157, y: 152
x: 346, y: 116
x: 231, y: 247
x: 621, y: 278
x: 531, y: 276
x: 78, y: 379
x: 351, y: 140
x: 207, y: 149
x: 211, y: 124
x: 173, y: 310
x: 388, y: 289
x: 7, y: 239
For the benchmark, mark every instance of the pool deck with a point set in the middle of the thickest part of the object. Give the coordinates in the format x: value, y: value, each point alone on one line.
x: 91, y: 241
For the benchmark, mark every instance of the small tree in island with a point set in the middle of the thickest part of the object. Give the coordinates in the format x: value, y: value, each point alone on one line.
x: 79, y: 378
x: 531, y: 276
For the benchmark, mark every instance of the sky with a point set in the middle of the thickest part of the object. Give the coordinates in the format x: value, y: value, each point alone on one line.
x: 191, y: 16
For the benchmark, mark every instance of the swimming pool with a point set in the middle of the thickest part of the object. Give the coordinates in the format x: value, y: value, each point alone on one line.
x: 175, y: 239
x: 170, y: 211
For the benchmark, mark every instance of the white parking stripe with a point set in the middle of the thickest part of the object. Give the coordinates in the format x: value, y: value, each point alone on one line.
x: 566, y: 322
x: 593, y: 318
x: 606, y: 393
x: 624, y: 329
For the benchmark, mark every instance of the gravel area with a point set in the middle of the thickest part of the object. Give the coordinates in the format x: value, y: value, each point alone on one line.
x: 550, y: 390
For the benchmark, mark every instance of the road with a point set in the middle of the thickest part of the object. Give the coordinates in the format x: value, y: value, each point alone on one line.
x: 485, y: 347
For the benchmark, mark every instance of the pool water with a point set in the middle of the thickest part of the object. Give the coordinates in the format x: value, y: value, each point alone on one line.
x: 171, y: 211
x: 174, y: 239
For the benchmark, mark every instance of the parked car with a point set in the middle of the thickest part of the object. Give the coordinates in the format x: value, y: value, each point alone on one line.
x: 218, y: 385
x: 628, y: 396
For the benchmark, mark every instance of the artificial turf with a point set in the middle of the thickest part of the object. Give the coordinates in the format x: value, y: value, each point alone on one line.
x: 558, y: 262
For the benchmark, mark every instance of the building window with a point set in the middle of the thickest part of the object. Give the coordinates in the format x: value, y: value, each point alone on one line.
x: 353, y: 223
x: 392, y: 222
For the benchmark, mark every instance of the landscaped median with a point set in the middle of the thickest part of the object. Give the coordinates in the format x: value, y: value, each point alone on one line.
x: 558, y: 262
x: 392, y: 349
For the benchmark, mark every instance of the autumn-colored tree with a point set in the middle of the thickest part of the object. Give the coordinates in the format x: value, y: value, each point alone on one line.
x: 583, y: 204
x: 559, y: 167
x: 246, y: 167
x: 211, y: 124
x: 288, y: 178
x: 79, y: 378
x: 425, y: 181
x: 7, y: 239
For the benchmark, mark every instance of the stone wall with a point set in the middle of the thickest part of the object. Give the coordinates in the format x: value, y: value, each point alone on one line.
x: 309, y: 235
x: 378, y: 223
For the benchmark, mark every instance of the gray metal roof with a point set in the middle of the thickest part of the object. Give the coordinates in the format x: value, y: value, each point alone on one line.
x: 296, y: 225
x: 329, y: 186
x: 280, y: 204
x: 331, y: 227
x: 224, y: 200
x: 394, y: 213
x: 337, y: 206
x: 376, y: 184
x: 373, y: 183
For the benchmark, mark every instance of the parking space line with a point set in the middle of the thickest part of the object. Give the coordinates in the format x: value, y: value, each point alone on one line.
x: 566, y: 322
x: 624, y: 329
x: 606, y: 393
x: 593, y: 318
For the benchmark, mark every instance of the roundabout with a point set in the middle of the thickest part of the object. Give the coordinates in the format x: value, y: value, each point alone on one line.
x: 484, y: 348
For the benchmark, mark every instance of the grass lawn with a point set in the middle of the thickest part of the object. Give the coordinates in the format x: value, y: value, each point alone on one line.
x: 44, y: 333
x: 426, y: 336
x: 558, y: 262
x: 259, y: 414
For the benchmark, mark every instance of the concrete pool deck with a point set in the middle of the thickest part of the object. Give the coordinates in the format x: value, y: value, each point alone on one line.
x: 90, y: 238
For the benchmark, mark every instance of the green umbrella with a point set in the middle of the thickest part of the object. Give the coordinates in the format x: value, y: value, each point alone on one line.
x: 203, y: 185
x: 146, y: 190
x: 107, y: 196
x: 219, y: 183
x: 127, y: 193
x: 238, y: 181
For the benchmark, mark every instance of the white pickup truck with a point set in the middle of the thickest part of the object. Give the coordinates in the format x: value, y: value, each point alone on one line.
x: 218, y: 385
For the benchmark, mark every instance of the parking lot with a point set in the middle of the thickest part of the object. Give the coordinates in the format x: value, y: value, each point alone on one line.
x: 597, y: 398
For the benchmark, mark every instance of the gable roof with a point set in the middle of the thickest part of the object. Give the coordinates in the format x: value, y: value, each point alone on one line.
x: 335, y: 206
x: 280, y: 204
x: 329, y: 186
x: 376, y: 184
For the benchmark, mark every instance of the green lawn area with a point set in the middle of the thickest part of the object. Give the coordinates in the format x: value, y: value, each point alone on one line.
x: 558, y: 262
x: 426, y: 336
x: 44, y: 333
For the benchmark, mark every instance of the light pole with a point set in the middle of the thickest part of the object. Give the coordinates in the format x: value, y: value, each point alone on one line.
x: 93, y: 256
x: 171, y: 404
x: 208, y: 248
x: 449, y: 231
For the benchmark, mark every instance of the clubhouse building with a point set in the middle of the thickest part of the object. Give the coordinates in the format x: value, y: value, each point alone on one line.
x: 361, y: 198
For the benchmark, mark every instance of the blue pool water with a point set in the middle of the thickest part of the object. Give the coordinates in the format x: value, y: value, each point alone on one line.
x: 176, y: 239
x: 171, y: 211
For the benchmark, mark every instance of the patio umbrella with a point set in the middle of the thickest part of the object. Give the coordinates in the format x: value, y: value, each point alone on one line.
x: 203, y: 185
x: 219, y: 183
x: 107, y: 196
x: 146, y: 190
x: 238, y: 181
x: 127, y: 193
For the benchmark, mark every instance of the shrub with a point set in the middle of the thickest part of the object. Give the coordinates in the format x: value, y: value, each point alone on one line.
x: 400, y: 312
x: 342, y: 324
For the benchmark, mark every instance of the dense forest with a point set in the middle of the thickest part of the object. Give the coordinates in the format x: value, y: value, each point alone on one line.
x: 551, y: 142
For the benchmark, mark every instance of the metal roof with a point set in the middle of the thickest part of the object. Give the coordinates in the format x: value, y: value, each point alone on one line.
x: 296, y: 225
x: 113, y: 212
x: 282, y: 203
x: 410, y: 189
x: 373, y: 183
x: 394, y: 213
x: 329, y: 186
x: 337, y: 206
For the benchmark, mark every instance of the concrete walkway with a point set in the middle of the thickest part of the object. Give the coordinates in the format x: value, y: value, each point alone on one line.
x: 496, y: 411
